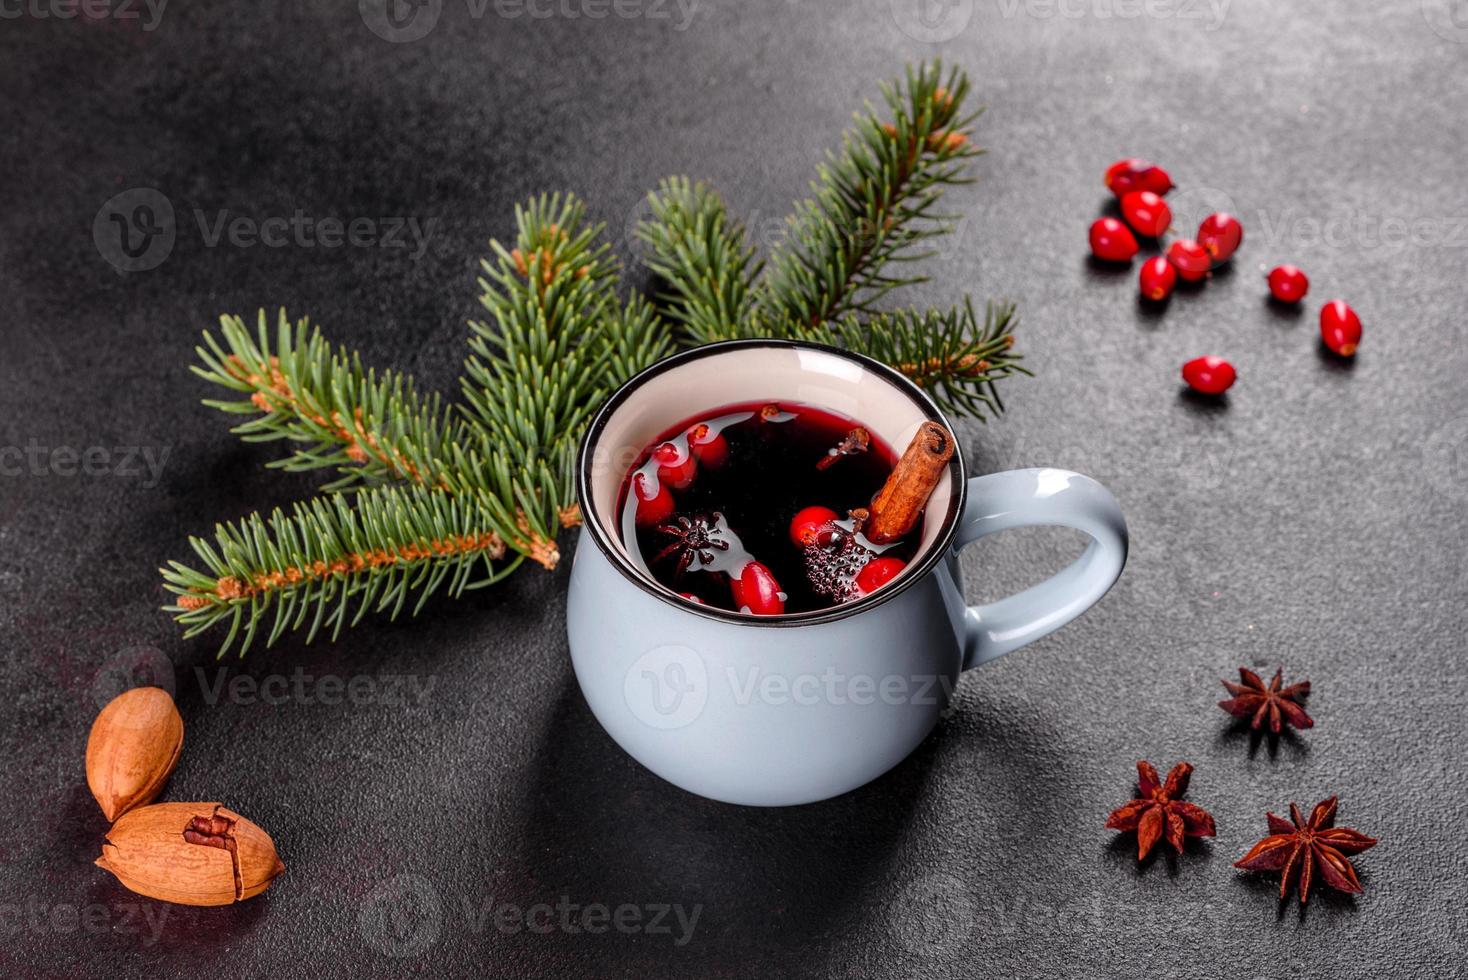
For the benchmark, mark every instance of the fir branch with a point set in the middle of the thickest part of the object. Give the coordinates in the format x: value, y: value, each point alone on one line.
x: 951, y: 354
x: 704, y: 259
x: 872, y: 204
x: 369, y: 426
x: 373, y: 550
x: 541, y: 365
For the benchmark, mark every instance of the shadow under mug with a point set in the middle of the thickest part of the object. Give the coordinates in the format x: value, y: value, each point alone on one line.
x: 779, y: 710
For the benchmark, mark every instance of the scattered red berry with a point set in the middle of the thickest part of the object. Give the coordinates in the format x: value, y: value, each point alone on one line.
x: 808, y: 523
x: 1288, y: 284
x: 1113, y: 241
x: 654, y: 502
x: 1340, y: 328
x: 1209, y: 375
x: 1147, y: 213
x: 676, y: 465
x: 1125, y: 176
x: 1190, y: 259
x: 756, y: 590
x: 1221, y: 234
x: 1157, y: 278
x: 877, y: 573
x: 710, y: 448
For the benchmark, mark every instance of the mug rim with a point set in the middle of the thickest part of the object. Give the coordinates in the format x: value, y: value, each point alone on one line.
x: 592, y: 523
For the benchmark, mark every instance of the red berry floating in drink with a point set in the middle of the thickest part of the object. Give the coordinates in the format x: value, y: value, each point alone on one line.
x: 1209, y: 375
x: 810, y: 522
x: 740, y: 508
x: 756, y: 591
x: 654, y: 502
x: 1112, y: 241
x: 708, y: 445
x: 676, y: 465
x: 1146, y: 212
x: 1190, y: 259
x: 1125, y: 176
x: 1288, y: 284
x: 877, y: 573
x: 1157, y: 278
x: 1340, y: 328
x: 1220, y: 235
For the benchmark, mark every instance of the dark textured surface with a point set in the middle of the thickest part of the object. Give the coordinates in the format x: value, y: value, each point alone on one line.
x: 1315, y: 519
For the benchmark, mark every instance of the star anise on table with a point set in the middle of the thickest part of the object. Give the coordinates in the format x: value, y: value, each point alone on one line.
x: 1302, y: 849
x: 1280, y: 706
x: 1158, y: 810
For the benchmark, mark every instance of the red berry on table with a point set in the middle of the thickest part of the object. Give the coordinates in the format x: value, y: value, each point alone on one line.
x: 1125, y: 176
x: 808, y: 523
x: 1147, y: 213
x: 1113, y: 241
x: 1221, y: 234
x: 1340, y: 328
x: 1288, y: 284
x: 1191, y: 259
x: 757, y: 591
x: 654, y: 502
x: 676, y: 465
x: 1209, y: 375
x: 877, y: 573
x: 1157, y: 278
x: 710, y: 448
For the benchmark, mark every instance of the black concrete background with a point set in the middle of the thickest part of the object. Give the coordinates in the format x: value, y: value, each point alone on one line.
x: 1315, y: 518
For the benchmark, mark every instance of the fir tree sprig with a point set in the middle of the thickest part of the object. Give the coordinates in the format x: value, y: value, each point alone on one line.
x: 329, y: 560
x: 440, y: 491
x: 873, y: 203
x: 369, y: 426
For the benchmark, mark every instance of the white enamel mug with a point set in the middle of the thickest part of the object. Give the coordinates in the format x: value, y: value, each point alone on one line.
x: 778, y: 710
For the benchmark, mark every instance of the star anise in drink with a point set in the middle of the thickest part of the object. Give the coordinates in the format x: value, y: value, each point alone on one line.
x: 1158, y: 810
x: 1303, y: 849
x: 1278, y: 705
x: 696, y: 539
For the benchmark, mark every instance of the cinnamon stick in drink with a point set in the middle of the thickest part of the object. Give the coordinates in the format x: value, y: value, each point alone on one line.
x: 896, y: 506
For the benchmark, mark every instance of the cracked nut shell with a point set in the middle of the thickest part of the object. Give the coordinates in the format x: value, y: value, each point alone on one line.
x: 190, y: 853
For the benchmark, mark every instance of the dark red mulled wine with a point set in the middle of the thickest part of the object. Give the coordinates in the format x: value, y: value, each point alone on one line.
x: 749, y: 508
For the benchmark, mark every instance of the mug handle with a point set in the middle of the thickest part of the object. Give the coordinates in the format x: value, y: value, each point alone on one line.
x: 1025, y: 498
